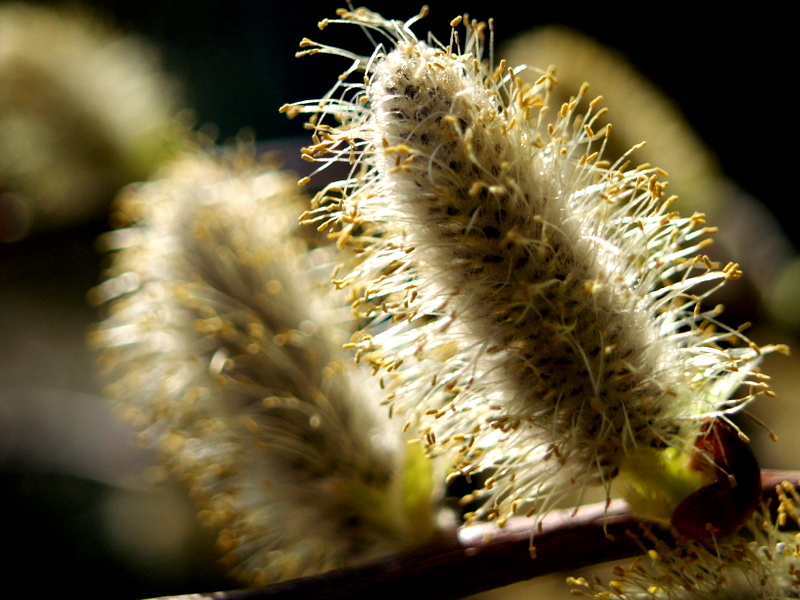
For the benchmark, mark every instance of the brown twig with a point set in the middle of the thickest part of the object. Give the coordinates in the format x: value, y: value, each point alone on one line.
x: 479, y: 557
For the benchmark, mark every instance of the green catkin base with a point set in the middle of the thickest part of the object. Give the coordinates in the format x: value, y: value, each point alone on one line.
x: 542, y: 323
x: 221, y: 353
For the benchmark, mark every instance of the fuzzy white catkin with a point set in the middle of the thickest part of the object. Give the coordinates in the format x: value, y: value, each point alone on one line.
x: 221, y: 353
x: 532, y: 308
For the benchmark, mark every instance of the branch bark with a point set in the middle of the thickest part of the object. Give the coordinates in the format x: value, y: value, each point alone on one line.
x: 479, y: 557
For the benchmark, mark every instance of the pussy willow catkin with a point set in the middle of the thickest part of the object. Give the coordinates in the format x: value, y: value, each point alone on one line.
x: 221, y: 353
x: 531, y: 307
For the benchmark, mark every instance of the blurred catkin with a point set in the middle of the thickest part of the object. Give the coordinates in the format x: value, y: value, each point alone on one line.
x: 83, y: 111
x: 638, y: 110
x: 749, y: 234
x: 533, y: 308
x: 224, y: 354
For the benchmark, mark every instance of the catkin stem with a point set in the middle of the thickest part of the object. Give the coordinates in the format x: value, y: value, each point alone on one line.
x: 481, y: 557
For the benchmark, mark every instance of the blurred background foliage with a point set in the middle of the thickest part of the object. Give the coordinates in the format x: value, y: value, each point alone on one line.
x: 86, y: 511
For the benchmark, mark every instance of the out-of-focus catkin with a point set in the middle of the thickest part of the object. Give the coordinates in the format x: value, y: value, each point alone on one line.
x: 532, y: 308
x: 222, y: 351
x: 84, y: 110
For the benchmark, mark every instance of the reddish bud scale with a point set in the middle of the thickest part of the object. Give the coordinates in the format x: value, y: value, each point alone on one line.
x: 721, y: 508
